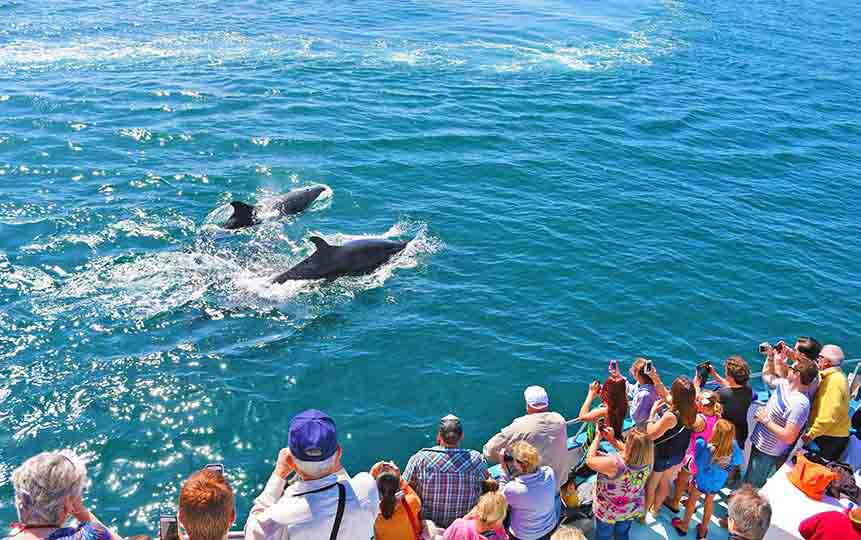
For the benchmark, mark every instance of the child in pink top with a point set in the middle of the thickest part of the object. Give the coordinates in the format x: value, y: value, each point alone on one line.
x: 484, y: 522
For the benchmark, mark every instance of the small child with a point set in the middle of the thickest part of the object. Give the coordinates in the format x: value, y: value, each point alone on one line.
x: 710, y: 411
x: 713, y: 460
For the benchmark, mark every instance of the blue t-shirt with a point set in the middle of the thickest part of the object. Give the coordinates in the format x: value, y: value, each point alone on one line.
x: 711, y: 475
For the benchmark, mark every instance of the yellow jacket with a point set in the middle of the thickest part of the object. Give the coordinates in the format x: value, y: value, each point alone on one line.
x: 830, y: 413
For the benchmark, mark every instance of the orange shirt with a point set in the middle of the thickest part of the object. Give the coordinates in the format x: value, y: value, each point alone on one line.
x: 398, y: 527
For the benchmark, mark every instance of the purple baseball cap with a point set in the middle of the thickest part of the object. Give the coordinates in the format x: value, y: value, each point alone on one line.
x: 312, y: 436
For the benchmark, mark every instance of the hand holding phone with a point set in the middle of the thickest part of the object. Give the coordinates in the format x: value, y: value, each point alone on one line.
x: 764, y: 347
x: 613, y: 367
x: 595, y: 387
x: 647, y: 367
x: 703, y: 371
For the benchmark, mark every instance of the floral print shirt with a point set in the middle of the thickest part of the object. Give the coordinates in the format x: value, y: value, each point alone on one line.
x: 622, y: 497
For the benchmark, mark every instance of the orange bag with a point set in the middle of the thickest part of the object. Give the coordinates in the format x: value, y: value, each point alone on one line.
x: 811, y: 478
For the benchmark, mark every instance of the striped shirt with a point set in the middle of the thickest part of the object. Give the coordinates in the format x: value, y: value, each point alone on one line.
x: 447, y: 480
x: 785, y: 406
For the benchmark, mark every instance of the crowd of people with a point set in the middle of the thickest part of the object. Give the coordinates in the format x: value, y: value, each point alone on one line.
x: 685, y: 441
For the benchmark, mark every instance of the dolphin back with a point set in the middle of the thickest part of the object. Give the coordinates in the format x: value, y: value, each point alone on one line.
x: 298, y: 200
x: 355, y: 258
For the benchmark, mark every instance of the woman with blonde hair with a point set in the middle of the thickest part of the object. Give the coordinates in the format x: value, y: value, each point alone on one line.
x: 530, y: 490
x: 620, y: 488
x: 49, y: 489
x: 714, y: 460
x: 483, y: 522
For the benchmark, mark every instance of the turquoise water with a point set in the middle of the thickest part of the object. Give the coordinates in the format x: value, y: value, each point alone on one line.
x: 580, y: 180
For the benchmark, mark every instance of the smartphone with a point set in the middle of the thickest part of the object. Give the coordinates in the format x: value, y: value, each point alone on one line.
x: 217, y: 467
x: 763, y: 348
x: 614, y: 366
x: 507, y: 457
x: 602, y: 423
x: 647, y: 367
x: 168, y: 527
x: 779, y: 347
x: 703, y: 371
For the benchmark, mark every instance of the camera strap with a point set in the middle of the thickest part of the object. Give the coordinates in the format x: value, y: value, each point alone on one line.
x: 342, y: 503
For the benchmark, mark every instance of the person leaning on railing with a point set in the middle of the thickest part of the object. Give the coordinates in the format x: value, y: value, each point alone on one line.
x: 49, y: 489
x: 542, y: 428
x: 206, y: 506
x: 829, y: 416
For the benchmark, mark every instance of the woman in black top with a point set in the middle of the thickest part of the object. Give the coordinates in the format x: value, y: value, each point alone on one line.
x: 670, y: 426
x: 735, y: 394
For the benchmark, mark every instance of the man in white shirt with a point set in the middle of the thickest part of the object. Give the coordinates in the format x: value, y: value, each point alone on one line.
x: 325, y: 502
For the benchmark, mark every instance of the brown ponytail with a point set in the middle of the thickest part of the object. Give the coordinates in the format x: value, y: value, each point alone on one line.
x: 388, y: 485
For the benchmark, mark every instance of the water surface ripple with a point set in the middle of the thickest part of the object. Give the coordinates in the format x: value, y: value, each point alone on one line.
x: 580, y: 180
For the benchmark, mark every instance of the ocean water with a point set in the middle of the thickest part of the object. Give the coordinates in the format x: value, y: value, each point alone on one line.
x: 579, y: 181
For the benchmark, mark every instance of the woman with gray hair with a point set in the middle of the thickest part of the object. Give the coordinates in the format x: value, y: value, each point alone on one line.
x: 49, y: 488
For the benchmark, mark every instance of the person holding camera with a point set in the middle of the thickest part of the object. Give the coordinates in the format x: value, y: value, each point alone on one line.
x: 614, y: 403
x: 735, y: 394
x: 781, y: 354
x: 324, y: 502
x: 620, y: 488
x: 206, y: 506
x: 646, y: 389
x: 780, y: 421
x: 49, y: 489
x: 670, y: 427
x: 530, y: 490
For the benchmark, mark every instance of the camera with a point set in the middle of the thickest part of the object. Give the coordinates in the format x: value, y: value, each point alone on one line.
x: 168, y: 527
x: 217, y: 467
x: 763, y: 348
x: 779, y: 347
x: 508, y: 457
x: 647, y: 367
x: 614, y: 366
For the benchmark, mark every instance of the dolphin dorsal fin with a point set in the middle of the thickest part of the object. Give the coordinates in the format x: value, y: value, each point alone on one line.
x: 321, y: 244
x: 240, y: 207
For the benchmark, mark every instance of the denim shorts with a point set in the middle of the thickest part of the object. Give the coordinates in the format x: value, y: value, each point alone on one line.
x: 664, y: 463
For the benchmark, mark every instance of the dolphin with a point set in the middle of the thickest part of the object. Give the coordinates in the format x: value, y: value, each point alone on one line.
x: 245, y: 215
x: 352, y: 259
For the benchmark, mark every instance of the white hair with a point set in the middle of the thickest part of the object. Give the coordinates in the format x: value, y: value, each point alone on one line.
x: 42, y: 484
x: 316, y: 469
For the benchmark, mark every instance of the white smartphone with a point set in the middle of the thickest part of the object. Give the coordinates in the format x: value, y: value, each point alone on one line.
x: 217, y: 467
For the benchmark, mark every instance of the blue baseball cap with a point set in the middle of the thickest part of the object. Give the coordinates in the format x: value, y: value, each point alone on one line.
x: 312, y: 436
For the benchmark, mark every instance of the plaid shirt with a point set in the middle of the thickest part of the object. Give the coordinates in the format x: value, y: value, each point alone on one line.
x: 447, y: 480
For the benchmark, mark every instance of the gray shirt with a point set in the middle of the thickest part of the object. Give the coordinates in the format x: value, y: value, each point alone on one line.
x: 545, y: 431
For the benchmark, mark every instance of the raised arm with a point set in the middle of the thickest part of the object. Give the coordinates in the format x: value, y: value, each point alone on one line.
x: 660, y: 389
x: 270, y: 495
x: 585, y: 414
x: 720, y: 380
x: 600, y: 463
x: 658, y: 426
